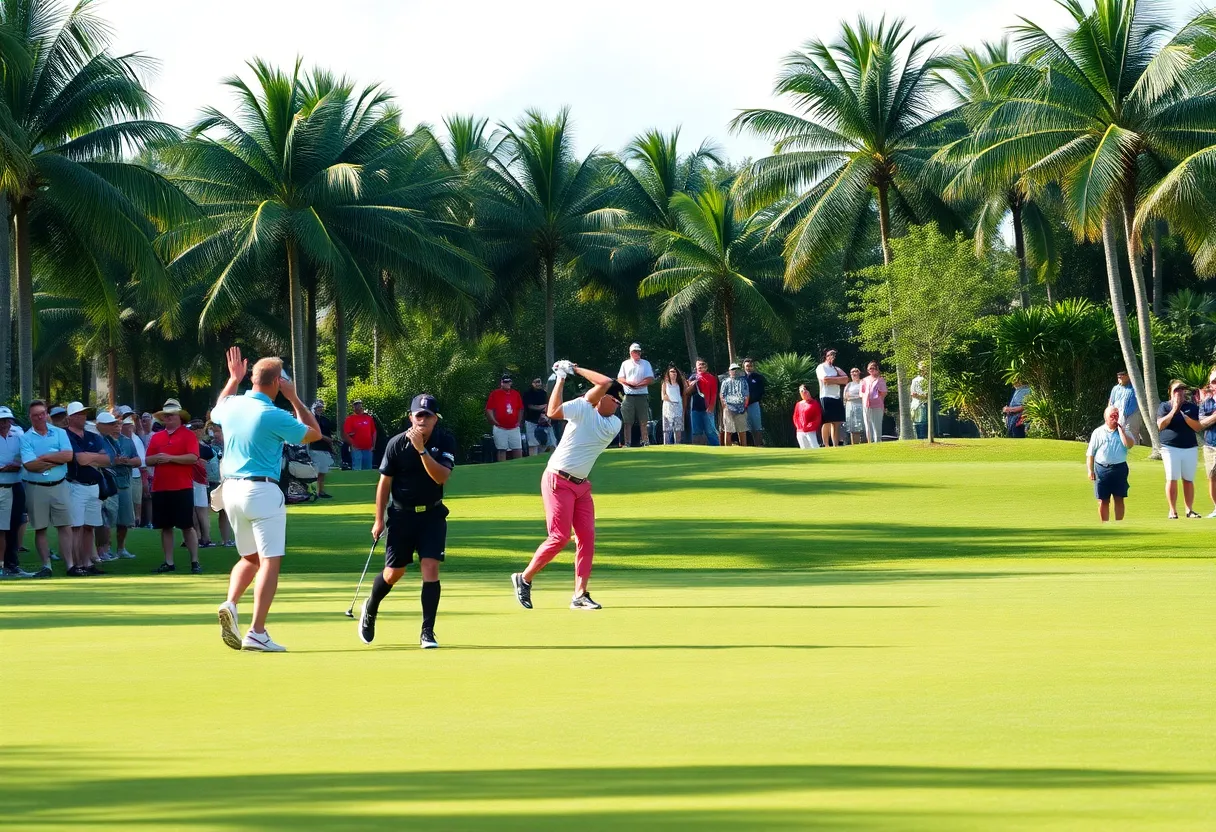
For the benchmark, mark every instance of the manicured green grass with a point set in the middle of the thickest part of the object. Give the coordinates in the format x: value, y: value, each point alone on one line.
x: 880, y: 637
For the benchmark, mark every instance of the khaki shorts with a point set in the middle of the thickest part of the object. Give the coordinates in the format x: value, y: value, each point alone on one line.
x: 1209, y: 461
x: 6, y: 507
x: 635, y: 408
x: 137, y: 490
x: 321, y: 460
x: 48, y: 505
x: 734, y: 422
x: 125, y: 513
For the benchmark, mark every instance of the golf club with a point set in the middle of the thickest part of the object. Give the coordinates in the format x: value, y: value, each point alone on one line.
x: 350, y: 612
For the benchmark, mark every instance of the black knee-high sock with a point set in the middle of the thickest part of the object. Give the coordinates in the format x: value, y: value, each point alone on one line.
x: 430, y: 603
x: 380, y: 588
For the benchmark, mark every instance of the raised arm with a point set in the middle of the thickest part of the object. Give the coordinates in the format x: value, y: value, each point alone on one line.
x: 237, y: 367
x: 601, y: 382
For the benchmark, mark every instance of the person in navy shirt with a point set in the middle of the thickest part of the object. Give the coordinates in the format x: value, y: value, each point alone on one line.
x: 1177, y: 421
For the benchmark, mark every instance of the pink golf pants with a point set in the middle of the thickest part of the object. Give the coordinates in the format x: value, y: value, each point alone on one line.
x: 567, y: 504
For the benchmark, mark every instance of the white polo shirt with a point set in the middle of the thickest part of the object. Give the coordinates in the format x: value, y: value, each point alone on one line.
x: 633, y: 372
x: 586, y: 436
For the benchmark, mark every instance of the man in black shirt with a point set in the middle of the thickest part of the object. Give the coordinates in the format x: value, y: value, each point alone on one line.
x: 416, y: 464
x: 536, y: 420
x: 88, y: 455
x: 322, y: 451
x: 755, y: 392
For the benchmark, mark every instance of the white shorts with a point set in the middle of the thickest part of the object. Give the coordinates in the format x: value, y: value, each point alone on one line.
x: 86, y: 507
x: 321, y: 460
x: 806, y: 439
x: 258, y: 516
x: 530, y: 429
x: 200, y: 496
x: 508, y: 439
x: 1180, y: 463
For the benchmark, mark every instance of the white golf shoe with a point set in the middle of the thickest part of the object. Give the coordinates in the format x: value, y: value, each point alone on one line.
x: 230, y: 632
x: 261, y: 643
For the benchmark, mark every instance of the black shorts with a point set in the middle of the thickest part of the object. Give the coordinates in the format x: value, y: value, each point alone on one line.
x: 424, y: 532
x: 833, y: 409
x: 173, y: 509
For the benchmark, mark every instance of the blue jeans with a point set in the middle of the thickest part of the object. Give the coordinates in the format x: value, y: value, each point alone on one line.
x: 703, y: 424
x: 360, y: 460
x: 922, y: 429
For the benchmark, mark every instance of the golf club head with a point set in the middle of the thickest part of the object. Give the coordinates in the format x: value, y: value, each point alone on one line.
x: 349, y: 614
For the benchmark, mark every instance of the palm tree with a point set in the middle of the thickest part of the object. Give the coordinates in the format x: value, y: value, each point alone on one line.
x: 860, y: 147
x: 314, y: 184
x: 539, y: 210
x: 650, y: 173
x: 968, y: 76
x: 719, y: 257
x: 78, y: 209
x: 1104, y: 109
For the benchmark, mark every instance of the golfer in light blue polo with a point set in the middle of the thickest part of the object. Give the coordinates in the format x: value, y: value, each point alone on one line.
x: 254, y: 433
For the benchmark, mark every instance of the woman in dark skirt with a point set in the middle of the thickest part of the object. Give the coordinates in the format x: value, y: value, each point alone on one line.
x: 832, y: 381
x: 1106, y: 462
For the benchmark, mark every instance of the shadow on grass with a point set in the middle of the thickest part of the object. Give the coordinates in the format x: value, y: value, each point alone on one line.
x: 44, y: 788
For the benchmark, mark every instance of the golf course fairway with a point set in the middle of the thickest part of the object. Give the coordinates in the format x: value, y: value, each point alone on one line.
x: 881, y: 637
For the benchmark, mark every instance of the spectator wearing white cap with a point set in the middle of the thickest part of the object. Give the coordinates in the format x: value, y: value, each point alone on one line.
x: 117, y: 512
x: 321, y: 452
x: 635, y: 376
x: 12, y: 499
x: 84, y: 479
x: 45, y: 453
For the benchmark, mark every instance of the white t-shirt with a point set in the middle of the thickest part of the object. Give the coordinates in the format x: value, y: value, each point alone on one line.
x: 918, y: 391
x: 141, y: 452
x: 586, y: 436
x: 826, y: 370
x: 633, y: 371
x: 852, y: 391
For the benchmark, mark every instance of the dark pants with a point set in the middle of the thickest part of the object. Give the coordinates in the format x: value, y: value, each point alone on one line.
x: 11, y: 541
x: 922, y: 430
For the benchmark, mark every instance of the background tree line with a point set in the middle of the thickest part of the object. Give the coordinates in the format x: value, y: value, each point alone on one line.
x: 303, y: 218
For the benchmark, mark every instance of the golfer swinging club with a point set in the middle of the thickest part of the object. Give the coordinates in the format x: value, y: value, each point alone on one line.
x: 254, y: 433
x: 564, y: 486
x: 416, y: 465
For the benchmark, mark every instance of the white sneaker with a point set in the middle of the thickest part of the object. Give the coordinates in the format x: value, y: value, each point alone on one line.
x: 106, y: 557
x: 1213, y: 514
x: 230, y: 631
x: 125, y: 555
x: 261, y: 643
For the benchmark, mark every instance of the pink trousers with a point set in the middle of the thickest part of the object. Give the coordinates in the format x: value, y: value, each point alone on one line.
x: 567, y: 504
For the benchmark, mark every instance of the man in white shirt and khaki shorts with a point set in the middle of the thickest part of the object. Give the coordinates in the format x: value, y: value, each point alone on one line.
x: 635, y: 376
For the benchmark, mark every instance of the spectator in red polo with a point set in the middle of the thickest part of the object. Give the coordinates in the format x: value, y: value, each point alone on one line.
x: 172, y: 453
x: 504, y: 409
x: 359, y: 431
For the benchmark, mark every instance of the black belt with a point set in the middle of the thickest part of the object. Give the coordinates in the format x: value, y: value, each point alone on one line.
x: 253, y: 479
x: 419, y: 509
x: 7, y: 484
x: 571, y: 477
x: 44, y: 484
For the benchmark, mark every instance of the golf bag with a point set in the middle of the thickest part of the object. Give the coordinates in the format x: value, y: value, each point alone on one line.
x: 298, y: 474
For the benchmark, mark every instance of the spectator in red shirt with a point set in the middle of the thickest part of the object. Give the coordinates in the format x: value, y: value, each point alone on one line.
x: 504, y: 409
x: 702, y: 405
x: 808, y: 419
x: 172, y: 453
x: 359, y: 431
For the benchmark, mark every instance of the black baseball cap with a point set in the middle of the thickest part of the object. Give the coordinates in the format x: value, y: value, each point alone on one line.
x: 505, y: 377
x: 425, y: 402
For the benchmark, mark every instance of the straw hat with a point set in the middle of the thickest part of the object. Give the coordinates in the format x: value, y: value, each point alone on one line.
x: 172, y: 406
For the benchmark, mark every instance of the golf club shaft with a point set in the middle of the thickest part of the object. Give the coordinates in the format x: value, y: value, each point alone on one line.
x: 359, y: 586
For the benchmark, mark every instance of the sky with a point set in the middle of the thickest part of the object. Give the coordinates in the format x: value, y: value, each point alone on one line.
x: 622, y: 66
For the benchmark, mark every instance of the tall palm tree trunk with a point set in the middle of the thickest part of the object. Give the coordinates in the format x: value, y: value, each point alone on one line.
x: 690, y: 337
x: 550, y: 349
x: 310, y: 345
x: 339, y: 361
x: 901, y: 379
x: 112, y: 377
x: 1110, y: 247
x: 295, y: 297
x: 6, y: 303
x: 135, y: 370
x: 1143, y: 316
x: 1158, y: 299
x: 1019, y: 245
x: 728, y: 320
x: 25, y: 304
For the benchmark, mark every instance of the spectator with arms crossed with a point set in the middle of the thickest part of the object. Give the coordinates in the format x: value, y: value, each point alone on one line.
x: 635, y: 376
x: 504, y: 409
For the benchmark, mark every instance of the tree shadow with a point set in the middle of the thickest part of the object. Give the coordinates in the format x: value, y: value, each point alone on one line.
x: 52, y: 787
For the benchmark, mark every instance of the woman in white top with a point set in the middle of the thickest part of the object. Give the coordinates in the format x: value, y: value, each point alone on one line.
x: 673, y: 390
x: 832, y: 380
x: 854, y: 409
x: 1106, y: 463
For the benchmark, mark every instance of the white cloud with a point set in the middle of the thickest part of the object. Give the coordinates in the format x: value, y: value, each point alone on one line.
x: 622, y: 65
